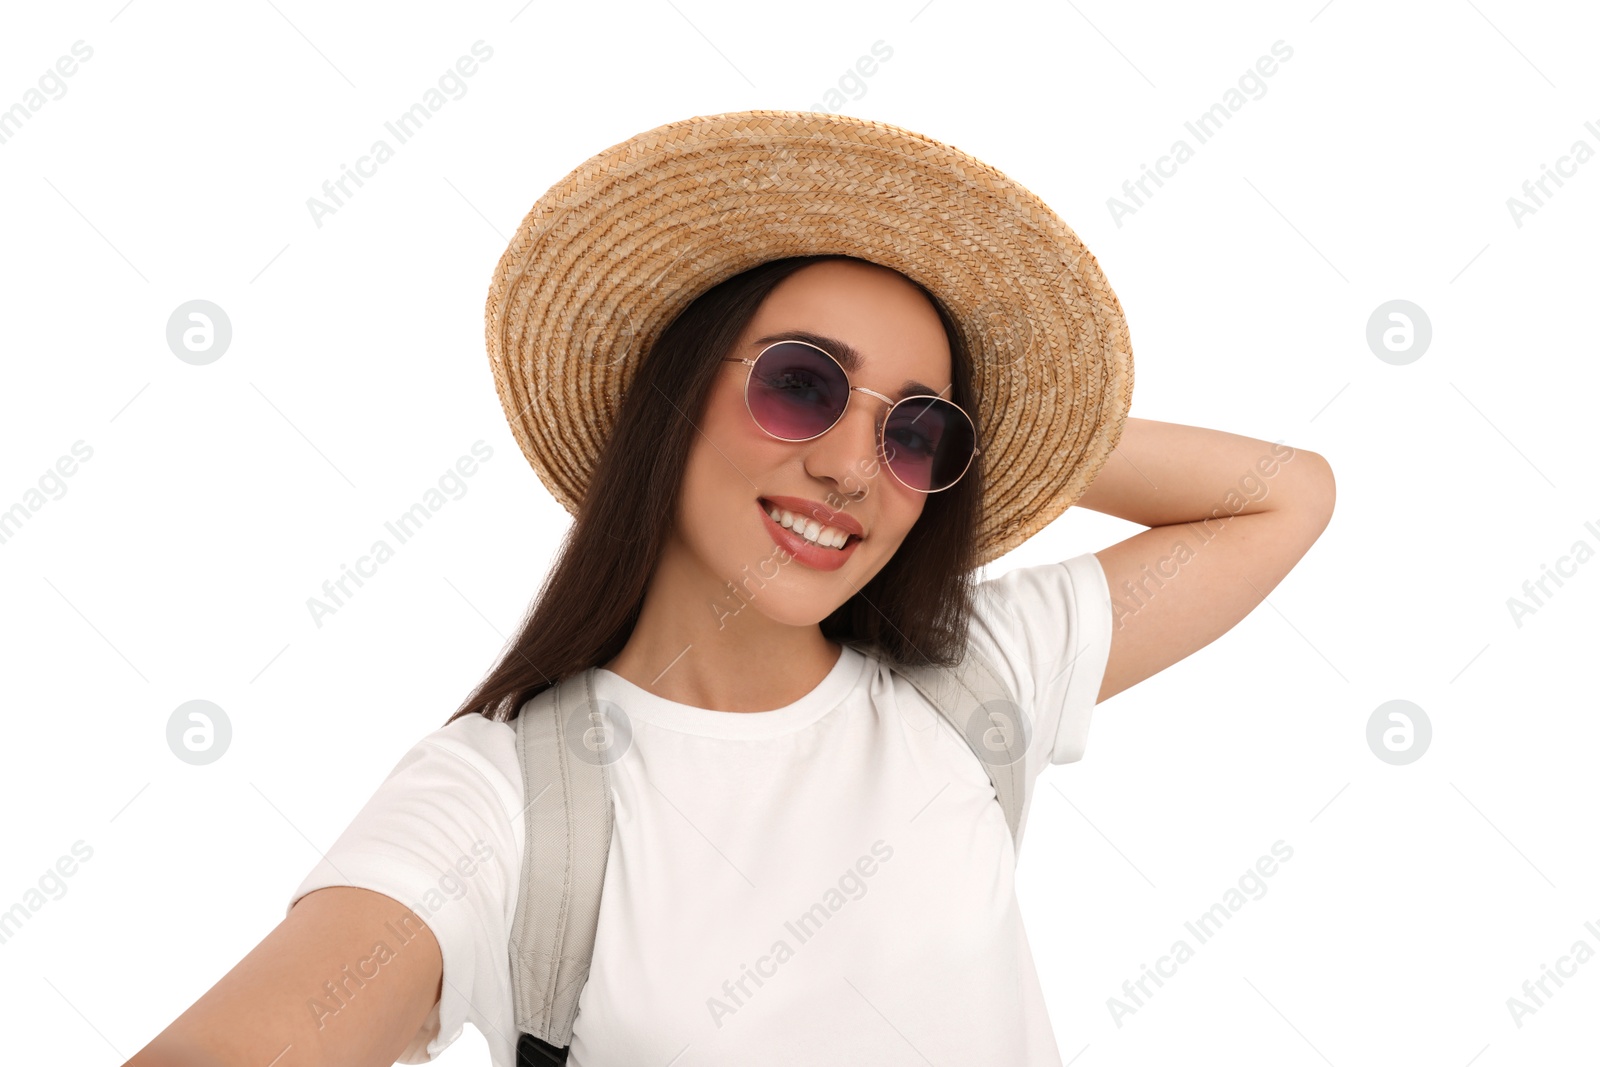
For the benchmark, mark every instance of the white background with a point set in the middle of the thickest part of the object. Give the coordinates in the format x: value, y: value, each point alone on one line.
x: 1376, y: 166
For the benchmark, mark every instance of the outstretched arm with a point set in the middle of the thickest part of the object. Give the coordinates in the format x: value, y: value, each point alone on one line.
x: 292, y: 1001
x: 1228, y: 516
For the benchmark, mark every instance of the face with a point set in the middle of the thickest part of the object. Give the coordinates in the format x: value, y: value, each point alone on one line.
x: 733, y: 464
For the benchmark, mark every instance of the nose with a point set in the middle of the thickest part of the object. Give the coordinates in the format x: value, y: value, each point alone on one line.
x: 847, y: 454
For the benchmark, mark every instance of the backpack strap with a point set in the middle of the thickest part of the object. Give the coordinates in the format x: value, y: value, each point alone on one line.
x: 975, y: 700
x: 568, y: 818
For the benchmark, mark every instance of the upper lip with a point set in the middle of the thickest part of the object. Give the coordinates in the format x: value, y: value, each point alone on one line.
x: 824, y: 515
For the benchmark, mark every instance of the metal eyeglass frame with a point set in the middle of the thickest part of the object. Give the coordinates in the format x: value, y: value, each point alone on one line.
x: 882, y: 423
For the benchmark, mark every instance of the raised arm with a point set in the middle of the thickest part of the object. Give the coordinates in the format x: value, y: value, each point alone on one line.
x: 1228, y: 516
x: 266, y: 1009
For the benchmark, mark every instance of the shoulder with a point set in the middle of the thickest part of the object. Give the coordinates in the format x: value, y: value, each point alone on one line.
x: 1040, y: 592
x: 1029, y: 614
x: 1048, y: 630
x: 452, y: 804
x: 454, y: 787
x: 470, y: 756
x: 477, y: 746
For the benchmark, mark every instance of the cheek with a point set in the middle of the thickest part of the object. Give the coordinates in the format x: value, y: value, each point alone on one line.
x: 726, y: 455
x: 725, y: 417
x: 741, y: 450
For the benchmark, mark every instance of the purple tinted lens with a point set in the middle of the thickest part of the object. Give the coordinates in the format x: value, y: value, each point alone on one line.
x: 928, y: 442
x: 796, y: 391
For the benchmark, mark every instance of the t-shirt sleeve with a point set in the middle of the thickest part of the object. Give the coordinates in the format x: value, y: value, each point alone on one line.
x: 441, y: 835
x: 1048, y: 629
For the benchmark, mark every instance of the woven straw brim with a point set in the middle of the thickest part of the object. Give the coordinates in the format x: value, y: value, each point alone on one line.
x: 613, y: 252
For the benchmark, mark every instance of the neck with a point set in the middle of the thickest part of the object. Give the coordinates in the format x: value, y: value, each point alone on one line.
x: 699, y: 643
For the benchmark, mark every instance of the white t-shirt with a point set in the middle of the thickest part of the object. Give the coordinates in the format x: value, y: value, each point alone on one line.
x: 829, y: 881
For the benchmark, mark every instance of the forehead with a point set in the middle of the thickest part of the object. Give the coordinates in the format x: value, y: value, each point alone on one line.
x: 879, y: 326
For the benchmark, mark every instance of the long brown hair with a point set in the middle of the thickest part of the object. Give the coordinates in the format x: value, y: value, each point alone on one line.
x: 915, y: 610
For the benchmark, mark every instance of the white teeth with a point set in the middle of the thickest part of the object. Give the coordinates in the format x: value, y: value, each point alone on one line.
x: 810, y: 529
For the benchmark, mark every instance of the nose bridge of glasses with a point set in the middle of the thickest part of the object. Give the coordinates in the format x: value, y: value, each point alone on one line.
x: 874, y: 393
x: 880, y: 414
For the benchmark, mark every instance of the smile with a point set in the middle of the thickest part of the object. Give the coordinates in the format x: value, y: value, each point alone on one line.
x: 817, y: 554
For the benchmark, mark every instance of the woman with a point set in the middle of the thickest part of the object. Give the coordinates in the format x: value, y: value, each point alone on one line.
x: 807, y: 865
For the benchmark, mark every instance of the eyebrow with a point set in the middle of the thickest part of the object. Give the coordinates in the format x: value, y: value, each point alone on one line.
x: 848, y: 358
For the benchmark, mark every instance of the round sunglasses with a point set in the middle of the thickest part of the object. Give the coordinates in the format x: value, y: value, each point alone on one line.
x: 796, y: 391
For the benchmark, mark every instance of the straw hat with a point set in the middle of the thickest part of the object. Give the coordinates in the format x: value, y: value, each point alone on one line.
x: 610, y: 255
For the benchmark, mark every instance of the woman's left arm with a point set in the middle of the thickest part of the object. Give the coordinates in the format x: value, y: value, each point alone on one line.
x: 1228, y: 516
